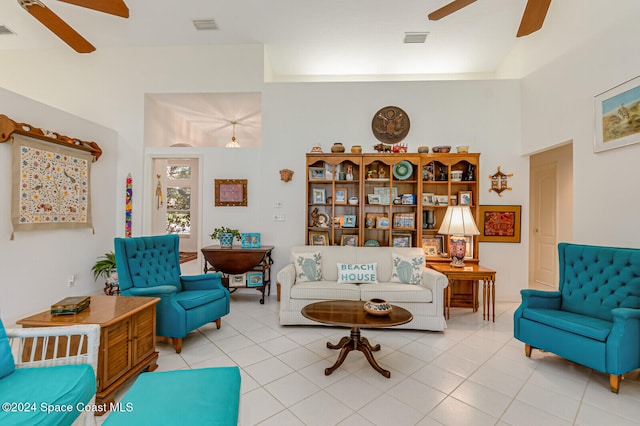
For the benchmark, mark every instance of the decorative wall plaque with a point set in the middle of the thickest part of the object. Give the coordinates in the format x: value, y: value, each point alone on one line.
x: 500, y: 182
x: 390, y: 124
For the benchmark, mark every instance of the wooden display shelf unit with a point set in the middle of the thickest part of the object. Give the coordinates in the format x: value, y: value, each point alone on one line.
x: 373, y: 175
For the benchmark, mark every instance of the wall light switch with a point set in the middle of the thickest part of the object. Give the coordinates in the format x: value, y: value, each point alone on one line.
x: 277, y: 204
x: 279, y: 217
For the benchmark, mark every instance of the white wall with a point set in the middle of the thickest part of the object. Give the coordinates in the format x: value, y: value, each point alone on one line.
x: 36, y: 265
x: 482, y: 114
x: 558, y: 105
x: 106, y: 87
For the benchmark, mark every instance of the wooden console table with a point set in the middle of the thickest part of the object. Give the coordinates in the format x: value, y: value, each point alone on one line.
x: 471, y: 273
x: 127, y: 339
x: 238, y: 260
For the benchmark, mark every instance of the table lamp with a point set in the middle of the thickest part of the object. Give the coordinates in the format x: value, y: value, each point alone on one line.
x: 458, y: 222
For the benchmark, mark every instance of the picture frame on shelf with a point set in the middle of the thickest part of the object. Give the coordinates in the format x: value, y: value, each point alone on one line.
x: 436, y: 241
x: 230, y: 192
x: 319, y: 196
x: 428, y: 199
x: 442, y: 200
x: 318, y: 238
x: 349, y: 240
x: 328, y: 171
x: 465, y: 198
x: 386, y: 194
x: 250, y: 240
x: 382, y: 222
x: 408, y: 199
x: 401, y: 240
x: 255, y: 279
x: 340, y: 196
x: 373, y: 198
x: 404, y: 220
x: 430, y: 250
x: 428, y: 172
x: 349, y: 221
x: 499, y: 224
x: 316, y: 173
x: 614, y: 112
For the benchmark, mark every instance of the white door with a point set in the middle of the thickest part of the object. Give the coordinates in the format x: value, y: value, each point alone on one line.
x: 544, y: 227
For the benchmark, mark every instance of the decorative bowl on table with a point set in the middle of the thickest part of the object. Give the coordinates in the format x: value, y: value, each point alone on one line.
x: 442, y: 149
x: 378, y: 307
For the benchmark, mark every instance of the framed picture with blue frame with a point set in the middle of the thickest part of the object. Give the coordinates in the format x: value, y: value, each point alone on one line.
x: 254, y: 279
x: 251, y: 240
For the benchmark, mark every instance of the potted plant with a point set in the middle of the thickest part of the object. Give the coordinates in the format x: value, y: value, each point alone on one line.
x: 105, y: 267
x: 225, y: 236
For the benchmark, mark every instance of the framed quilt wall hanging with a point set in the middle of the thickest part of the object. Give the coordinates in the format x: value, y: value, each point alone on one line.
x: 51, y: 186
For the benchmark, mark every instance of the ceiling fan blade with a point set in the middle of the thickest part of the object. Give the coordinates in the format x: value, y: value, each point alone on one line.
x: 533, y: 17
x: 112, y: 7
x: 60, y: 28
x: 448, y: 9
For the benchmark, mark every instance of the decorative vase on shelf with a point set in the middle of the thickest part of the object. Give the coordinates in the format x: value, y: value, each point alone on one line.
x: 429, y: 219
x: 378, y: 307
x: 226, y: 240
x: 337, y: 147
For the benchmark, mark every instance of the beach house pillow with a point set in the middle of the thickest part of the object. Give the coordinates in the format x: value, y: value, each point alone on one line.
x: 307, y: 266
x: 7, y: 365
x: 407, y: 270
x: 358, y: 273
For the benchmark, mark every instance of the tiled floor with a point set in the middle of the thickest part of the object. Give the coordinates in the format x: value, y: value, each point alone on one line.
x: 474, y: 373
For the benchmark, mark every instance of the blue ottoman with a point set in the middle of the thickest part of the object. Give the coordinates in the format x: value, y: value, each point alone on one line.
x: 206, y: 396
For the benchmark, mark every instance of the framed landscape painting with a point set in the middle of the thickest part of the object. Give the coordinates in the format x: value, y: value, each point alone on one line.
x: 617, y: 116
x: 500, y: 224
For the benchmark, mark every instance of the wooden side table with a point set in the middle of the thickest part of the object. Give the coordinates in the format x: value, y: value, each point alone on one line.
x: 473, y: 273
x: 238, y: 260
x: 127, y: 339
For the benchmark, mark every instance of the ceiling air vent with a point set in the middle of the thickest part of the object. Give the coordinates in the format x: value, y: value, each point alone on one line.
x: 205, y: 24
x: 5, y: 30
x: 415, y: 37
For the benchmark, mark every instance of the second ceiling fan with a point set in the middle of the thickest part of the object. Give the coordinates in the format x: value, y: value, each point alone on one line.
x: 532, y: 18
x: 59, y: 27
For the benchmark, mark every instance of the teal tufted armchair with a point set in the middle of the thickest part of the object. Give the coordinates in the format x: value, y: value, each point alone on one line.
x: 594, y: 317
x: 150, y: 266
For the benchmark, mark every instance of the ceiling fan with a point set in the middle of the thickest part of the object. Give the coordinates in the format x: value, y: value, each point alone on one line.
x: 532, y: 18
x: 59, y: 27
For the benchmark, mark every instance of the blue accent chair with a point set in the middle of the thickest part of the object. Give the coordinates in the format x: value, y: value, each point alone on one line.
x: 594, y: 317
x: 150, y: 266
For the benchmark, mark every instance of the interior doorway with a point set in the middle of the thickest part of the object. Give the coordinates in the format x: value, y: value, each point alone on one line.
x: 551, y: 213
x: 174, y: 203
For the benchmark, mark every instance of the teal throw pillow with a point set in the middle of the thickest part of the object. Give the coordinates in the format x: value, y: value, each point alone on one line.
x: 308, y: 267
x: 407, y: 270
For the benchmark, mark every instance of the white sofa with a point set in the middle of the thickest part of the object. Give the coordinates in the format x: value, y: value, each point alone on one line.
x: 425, y: 301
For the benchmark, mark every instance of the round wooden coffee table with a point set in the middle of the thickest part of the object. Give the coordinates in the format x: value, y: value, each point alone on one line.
x: 350, y: 313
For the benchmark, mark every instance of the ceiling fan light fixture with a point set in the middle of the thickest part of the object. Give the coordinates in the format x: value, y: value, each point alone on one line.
x: 415, y: 37
x: 205, y: 24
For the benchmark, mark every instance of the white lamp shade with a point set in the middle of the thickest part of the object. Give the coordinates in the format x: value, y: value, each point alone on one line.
x: 458, y: 220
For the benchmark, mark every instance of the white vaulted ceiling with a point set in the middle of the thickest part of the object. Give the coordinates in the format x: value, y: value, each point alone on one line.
x: 332, y: 39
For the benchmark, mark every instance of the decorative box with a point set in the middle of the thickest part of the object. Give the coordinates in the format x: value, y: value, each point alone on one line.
x: 70, y: 305
x: 254, y: 279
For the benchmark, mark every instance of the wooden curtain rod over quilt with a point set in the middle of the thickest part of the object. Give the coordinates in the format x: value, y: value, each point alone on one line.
x: 9, y: 127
